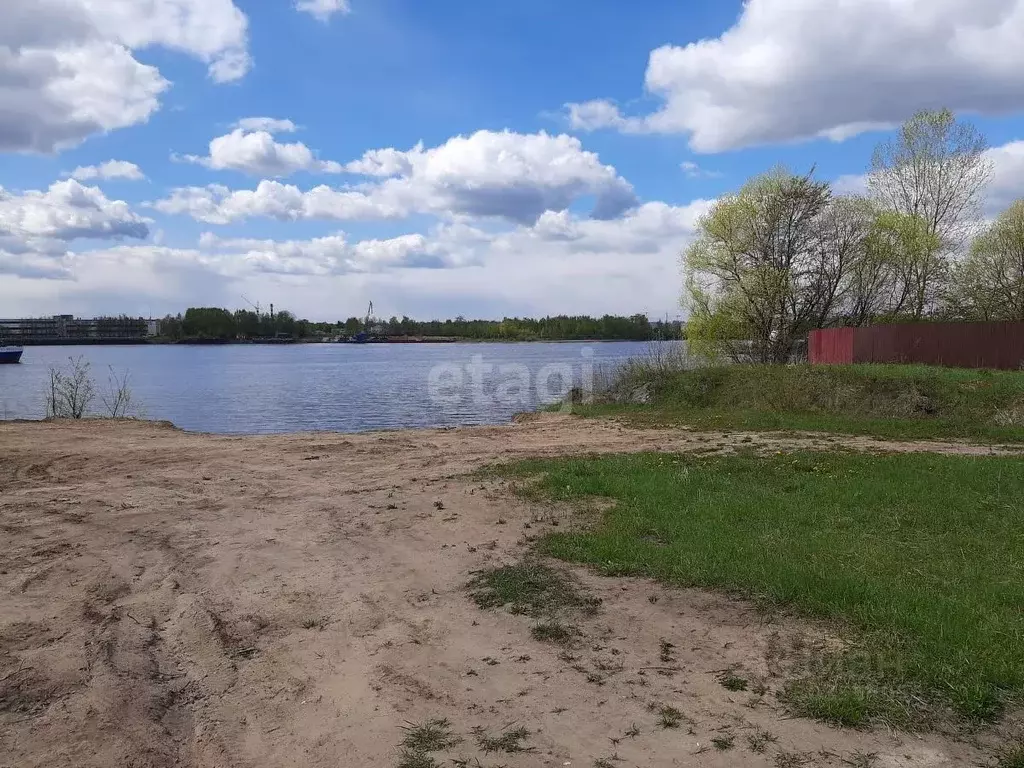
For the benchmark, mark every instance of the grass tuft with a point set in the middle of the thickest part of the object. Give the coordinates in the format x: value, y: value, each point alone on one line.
x: 431, y: 736
x: 669, y: 717
x: 412, y: 759
x: 509, y: 741
x: 1012, y: 757
x: 554, y: 632
x: 759, y: 740
x: 733, y: 682
x: 724, y: 742
x: 530, y: 588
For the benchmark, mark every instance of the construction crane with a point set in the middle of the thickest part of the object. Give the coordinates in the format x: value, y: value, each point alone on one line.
x: 256, y: 306
x: 364, y: 335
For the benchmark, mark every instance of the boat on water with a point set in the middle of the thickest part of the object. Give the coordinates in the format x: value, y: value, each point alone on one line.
x: 10, y: 354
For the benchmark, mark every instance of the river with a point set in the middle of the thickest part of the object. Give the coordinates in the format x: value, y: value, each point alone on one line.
x: 255, y: 389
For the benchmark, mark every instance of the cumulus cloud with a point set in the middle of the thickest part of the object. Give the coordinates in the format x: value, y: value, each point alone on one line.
x: 1007, y: 183
x: 112, y: 169
x: 625, y: 265
x: 258, y: 153
x: 322, y: 9
x: 217, y: 204
x: 789, y: 71
x: 331, y: 255
x: 503, y: 175
x: 36, y: 226
x: 67, y: 211
x: 67, y: 69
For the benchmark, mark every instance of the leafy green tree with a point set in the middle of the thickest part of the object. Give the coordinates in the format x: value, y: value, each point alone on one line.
x: 913, y: 269
x: 989, y: 283
x: 763, y: 268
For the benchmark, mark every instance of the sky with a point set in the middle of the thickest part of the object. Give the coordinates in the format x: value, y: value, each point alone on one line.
x: 445, y: 158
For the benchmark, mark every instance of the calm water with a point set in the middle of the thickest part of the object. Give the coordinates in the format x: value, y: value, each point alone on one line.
x: 242, y: 389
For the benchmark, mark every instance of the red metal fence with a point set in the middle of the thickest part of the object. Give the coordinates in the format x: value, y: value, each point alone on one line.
x: 959, y: 345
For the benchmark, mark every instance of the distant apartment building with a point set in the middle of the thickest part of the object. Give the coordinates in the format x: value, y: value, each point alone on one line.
x: 68, y: 328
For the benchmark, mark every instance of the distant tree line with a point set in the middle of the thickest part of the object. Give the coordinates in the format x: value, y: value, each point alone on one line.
x: 213, y: 323
x: 787, y: 254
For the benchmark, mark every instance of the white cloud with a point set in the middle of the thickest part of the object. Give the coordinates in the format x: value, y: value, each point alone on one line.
x: 112, y: 169
x: 322, y: 9
x: 268, y: 124
x: 217, y: 204
x: 1007, y: 183
x: 601, y: 113
x: 257, y: 153
x: 799, y: 69
x: 502, y: 175
x: 590, y: 266
x: 36, y: 226
x: 67, y: 211
x: 67, y: 67
x: 331, y: 255
x: 384, y: 162
x: 694, y: 171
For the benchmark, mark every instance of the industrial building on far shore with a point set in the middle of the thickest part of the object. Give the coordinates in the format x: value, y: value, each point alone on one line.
x: 67, y: 329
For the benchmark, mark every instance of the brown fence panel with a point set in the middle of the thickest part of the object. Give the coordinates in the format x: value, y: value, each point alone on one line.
x: 831, y: 345
x: 961, y: 345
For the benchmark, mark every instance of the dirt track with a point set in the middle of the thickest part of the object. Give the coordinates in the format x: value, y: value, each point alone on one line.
x: 179, y: 599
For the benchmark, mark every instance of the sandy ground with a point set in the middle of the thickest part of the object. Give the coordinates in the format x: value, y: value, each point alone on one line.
x: 179, y: 599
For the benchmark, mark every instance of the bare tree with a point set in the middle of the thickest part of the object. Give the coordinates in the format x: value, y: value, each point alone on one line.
x: 117, y: 399
x: 71, y: 390
x: 934, y: 170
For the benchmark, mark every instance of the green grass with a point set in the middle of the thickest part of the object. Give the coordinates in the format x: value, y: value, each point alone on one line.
x: 431, y: 736
x: 1012, y: 757
x: 555, y: 632
x: 891, y: 401
x: 530, y: 588
x: 510, y: 741
x: 919, y: 557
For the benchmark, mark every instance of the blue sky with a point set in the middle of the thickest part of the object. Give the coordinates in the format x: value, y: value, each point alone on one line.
x: 594, y: 135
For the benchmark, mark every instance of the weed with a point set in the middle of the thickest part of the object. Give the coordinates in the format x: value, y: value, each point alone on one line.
x: 316, y: 623
x: 530, y: 588
x: 669, y: 717
x: 431, y: 736
x: 724, y: 742
x: 510, y: 740
x: 666, y: 654
x: 633, y: 731
x: 1013, y: 757
x: 759, y: 740
x: 412, y: 759
x: 786, y: 759
x: 604, y: 762
x: 554, y: 632
x: 862, y: 759
x: 732, y: 682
